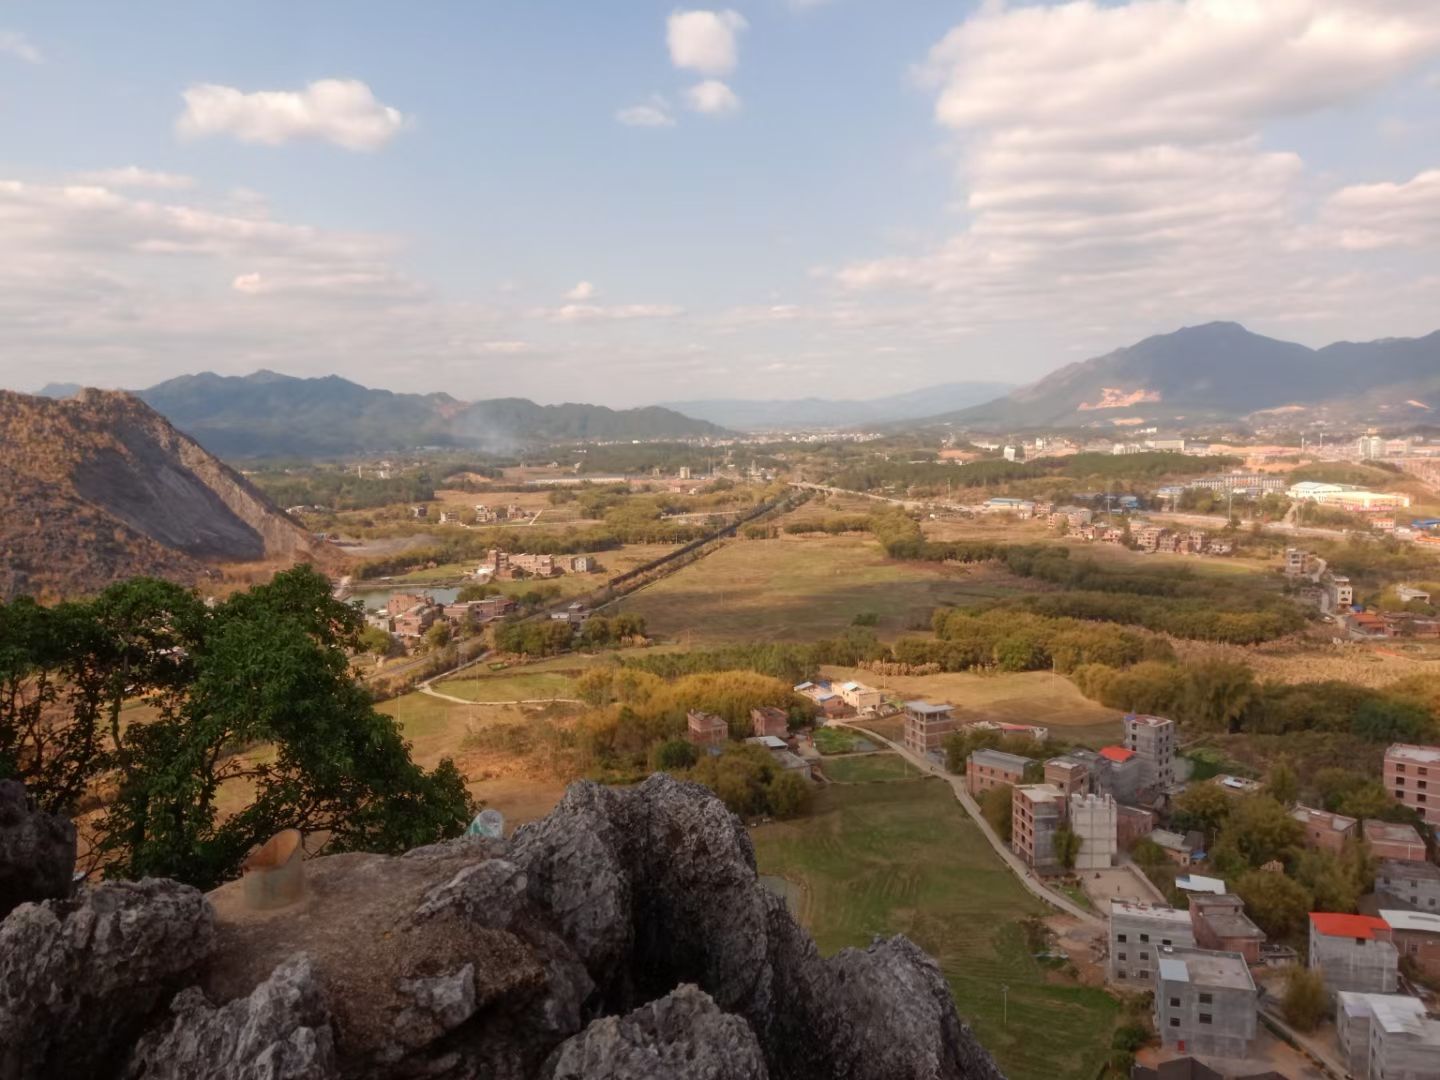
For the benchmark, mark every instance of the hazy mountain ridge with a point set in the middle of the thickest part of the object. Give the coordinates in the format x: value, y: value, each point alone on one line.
x: 1222, y: 371
x: 100, y: 487
x: 812, y: 412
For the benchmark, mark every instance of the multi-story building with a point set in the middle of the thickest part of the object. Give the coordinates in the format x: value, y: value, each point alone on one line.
x: 1386, y: 1037
x: 1068, y: 774
x: 1205, y: 1002
x: 1152, y: 738
x: 768, y: 720
x: 1325, y: 831
x: 1337, y: 592
x: 1414, y: 884
x: 860, y: 697
x: 1370, y: 446
x: 706, y: 729
x: 1118, y: 772
x: 1132, y: 823
x: 1390, y: 840
x: 1353, y: 952
x: 1038, y: 810
x: 986, y: 769
x: 1417, y: 936
x: 926, y: 726
x: 1137, y: 934
x: 1412, y: 775
x: 1221, y: 924
x: 1094, y: 820
x: 1297, y: 562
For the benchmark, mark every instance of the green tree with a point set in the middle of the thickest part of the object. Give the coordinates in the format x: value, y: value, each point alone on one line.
x: 674, y: 755
x: 1282, y: 785
x: 268, y: 666
x: 438, y: 636
x: 374, y: 640
x: 789, y: 794
x: 1202, y: 806
x: 1261, y: 829
x: 473, y: 592
x: 1278, y: 904
x: 1368, y: 800
x: 1216, y: 693
x: 1067, y: 847
x: 1305, y: 1003
x: 997, y: 806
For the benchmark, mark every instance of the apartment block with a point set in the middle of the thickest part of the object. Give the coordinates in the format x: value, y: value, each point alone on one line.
x: 1094, y: 820
x: 926, y: 726
x: 1386, y: 1037
x: 1325, y: 831
x: 1390, y: 840
x: 1039, y: 810
x: 1205, y: 1002
x: 1137, y: 934
x: 1152, y: 738
x: 1353, y: 952
x: 1409, y: 773
x: 986, y: 769
x: 1414, y: 884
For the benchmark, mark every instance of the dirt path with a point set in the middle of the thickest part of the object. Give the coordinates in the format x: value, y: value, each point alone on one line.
x: 426, y: 688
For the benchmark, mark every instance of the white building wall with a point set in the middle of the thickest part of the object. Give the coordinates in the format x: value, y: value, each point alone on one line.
x: 1095, y: 820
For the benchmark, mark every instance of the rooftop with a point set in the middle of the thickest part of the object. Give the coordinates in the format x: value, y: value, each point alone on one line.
x: 1116, y: 753
x: 998, y: 759
x: 1149, y: 911
x: 1201, y: 884
x: 1420, y: 755
x: 1361, y: 927
x: 1147, y: 721
x: 1172, y: 840
x: 1322, y: 819
x: 1230, y: 925
x: 1399, y: 868
x: 1040, y: 793
x: 1202, y: 967
x: 1412, y: 920
x: 770, y: 742
x: 1395, y: 1013
x: 925, y: 708
x: 1393, y: 832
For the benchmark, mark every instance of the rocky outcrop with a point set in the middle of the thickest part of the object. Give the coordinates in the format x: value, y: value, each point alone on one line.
x: 682, y: 1034
x: 625, y: 935
x: 79, y: 978
x: 37, y: 851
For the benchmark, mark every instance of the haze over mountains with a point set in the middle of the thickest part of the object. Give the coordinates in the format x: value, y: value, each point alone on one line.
x: 760, y: 415
x: 1222, y: 371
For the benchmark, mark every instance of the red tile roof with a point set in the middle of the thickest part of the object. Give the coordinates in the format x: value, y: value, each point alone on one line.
x: 1116, y: 753
x: 1351, y: 926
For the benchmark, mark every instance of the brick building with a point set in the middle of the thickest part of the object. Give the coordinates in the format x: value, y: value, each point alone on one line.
x: 770, y: 721
x: 1325, y: 831
x: 1410, y: 772
x: 1221, y: 924
x: 1039, y: 810
x: 706, y: 729
x: 1389, y: 840
x: 926, y: 726
x: 986, y: 769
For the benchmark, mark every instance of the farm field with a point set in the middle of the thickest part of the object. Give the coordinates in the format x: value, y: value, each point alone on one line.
x: 902, y: 857
x: 795, y: 589
x: 1026, y: 697
x: 865, y: 768
x: 522, y: 685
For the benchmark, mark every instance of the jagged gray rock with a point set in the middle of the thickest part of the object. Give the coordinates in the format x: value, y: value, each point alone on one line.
x: 683, y: 1034
x: 78, y: 977
x: 281, y: 1031
x: 37, y: 851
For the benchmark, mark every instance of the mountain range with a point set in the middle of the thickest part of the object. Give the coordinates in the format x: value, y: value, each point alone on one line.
x: 267, y: 414
x: 817, y: 412
x: 100, y: 487
x: 1222, y: 371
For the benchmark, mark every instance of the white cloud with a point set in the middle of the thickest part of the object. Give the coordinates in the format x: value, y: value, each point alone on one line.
x: 18, y: 45
x: 704, y: 41
x: 1112, y: 161
x: 712, y: 97
x: 505, y: 348
x: 1365, y: 217
x: 582, y: 291
x: 340, y: 111
x: 132, y: 176
x: 655, y: 114
x: 619, y: 312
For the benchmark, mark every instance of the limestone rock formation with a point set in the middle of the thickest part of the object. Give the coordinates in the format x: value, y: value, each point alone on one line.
x: 37, y: 851
x: 682, y: 1034
x: 625, y: 935
x: 78, y: 978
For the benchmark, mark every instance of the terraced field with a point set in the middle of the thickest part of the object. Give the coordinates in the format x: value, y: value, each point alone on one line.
x: 902, y: 857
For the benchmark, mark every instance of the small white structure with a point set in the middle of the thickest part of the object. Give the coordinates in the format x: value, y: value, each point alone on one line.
x: 1199, y: 883
x: 1094, y: 819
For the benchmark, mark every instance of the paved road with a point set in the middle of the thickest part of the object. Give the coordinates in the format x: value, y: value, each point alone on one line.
x: 1017, y: 866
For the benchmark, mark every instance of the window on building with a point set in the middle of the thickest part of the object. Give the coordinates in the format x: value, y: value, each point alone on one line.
x: 1120, y: 974
x: 1119, y: 937
x: 1205, y: 1018
x: 1174, y: 1003
x: 1144, y: 938
x: 1174, y: 1021
x: 1164, y: 941
x: 1144, y: 956
x: 1206, y: 999
x: 1121, y: 956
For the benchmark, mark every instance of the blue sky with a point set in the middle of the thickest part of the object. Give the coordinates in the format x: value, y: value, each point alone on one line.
x: 863, y: 197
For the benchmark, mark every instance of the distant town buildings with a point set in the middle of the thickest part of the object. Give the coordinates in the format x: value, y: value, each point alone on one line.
x: 1347, y: 497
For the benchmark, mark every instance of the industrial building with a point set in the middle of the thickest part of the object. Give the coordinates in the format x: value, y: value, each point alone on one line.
x: 1138, y: 932
x: 1094, y: 820
x: 1354, y: 952
x: 1205, y: 1002
x: 1386, y: 1037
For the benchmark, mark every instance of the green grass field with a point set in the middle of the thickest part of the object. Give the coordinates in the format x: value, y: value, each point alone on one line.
x: 904, y: 858
x: 800, y: 589
x: 521, y: 685
x: 865, y: 768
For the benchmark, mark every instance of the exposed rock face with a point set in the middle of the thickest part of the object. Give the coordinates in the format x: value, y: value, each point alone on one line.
x: 37, y: 851
x: 281, y: 1031
x: 682, y: 1034
x: 624, y: 936
x: 79, y: 977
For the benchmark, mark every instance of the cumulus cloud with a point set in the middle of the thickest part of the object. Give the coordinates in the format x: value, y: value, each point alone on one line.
x: 18, y: 45
x: 132, y: 176
x: 1112, y: 161
x: 654, y: 114
x: 1366, y: 217
x: 712, y: 97
x: 340, y: 111
x: 582, y: 291
x: 704, y: 41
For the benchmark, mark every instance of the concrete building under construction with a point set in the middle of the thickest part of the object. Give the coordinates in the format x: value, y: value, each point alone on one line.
x: 1093, y: 819
x: 1205, y: 1002
x: 1386, y: 1037
x: 1354, y: 952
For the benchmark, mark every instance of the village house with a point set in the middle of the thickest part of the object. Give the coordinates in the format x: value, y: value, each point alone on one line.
x: 1220, y: 923
x: 1408, y: 772
x: 414, y: 623
x: 1414, y: 884
x: 419, y: 512
x: 768, y: 720
x: 399, y: 603
x: 584, y: 564
x: 1325, y: 831
x: 860, y: 697
x: 1138, y: 932
x: 1177, y: 849
x: 1094, y: 819
x: 1386, y: 1037
x: 1071, y: 776
x: 706, y: 729
x: 1205, y: 1002
x: 986, y: 769
x: 1132, y: 824
x: 449, y: 517
x: 1389, y: 840
x: 1037, y: 812
x: 1353, y: 952
x: 783, y: 756
x: 1417, y: 936
x: 505, y: 565
x: 926, y: 726
x: 1071, y: 516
